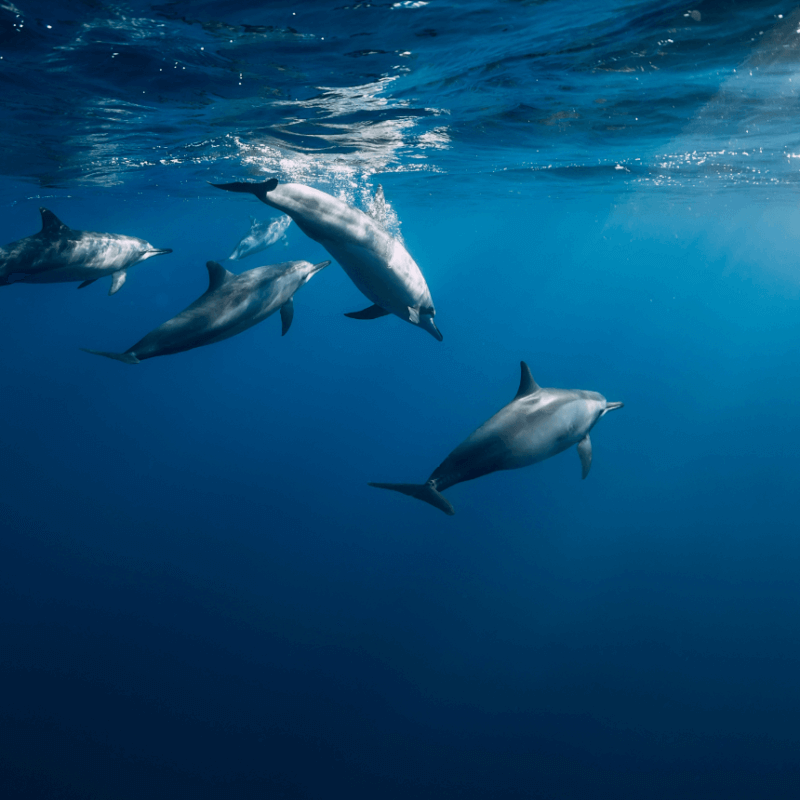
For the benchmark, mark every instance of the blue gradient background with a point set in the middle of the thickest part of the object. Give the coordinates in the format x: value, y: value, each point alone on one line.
x: 200, y: 596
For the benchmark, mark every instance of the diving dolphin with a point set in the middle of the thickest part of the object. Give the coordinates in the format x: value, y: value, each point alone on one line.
x: 379, y: 265
x: 536, y: 424
x: 59, y: 254
x: 230, y: 305
x: 260, y: 236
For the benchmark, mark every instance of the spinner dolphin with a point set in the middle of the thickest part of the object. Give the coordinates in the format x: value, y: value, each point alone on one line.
x: 230, y: 305
x: 260, y: 236
x: 59, y: 254
x: 379, y: 265
x: 537, y: 424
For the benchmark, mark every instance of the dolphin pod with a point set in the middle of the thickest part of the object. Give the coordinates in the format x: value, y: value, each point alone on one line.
x: 230, y: 305
x: 537, y: 424
x: 380, y: 267
x: 59, y: 254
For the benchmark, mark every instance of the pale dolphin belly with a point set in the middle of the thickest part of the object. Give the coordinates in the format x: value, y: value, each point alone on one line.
x: 513, y: 439
x: 388, y: 277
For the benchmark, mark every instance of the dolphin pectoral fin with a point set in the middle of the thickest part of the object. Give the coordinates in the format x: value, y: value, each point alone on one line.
x: 86, y: 283
x: 373, y: 312
x: 125, y: 358
x: 287, y: 314
x: 258, y: 189
x: 585, y: 453
x: 117, y: 280
x: 426, y: 492
x: 413, y: 315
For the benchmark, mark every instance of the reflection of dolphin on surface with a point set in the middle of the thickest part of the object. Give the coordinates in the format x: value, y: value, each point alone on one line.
x: 536, y: 424
x: 58, y: 254
x: 260, y: 236
x: 230, y: 305
x: 379, y: 265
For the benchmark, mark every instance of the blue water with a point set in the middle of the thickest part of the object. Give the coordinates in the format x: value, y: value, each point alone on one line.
x: 201, y: 596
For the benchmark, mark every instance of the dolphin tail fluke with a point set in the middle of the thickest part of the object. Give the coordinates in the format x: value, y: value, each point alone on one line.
x: 125, y: 358
x: 424, y: 491
x: 258, y: 189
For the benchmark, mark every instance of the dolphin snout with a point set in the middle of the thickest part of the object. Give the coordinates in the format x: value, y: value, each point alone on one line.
x: 318, y: 267
x: 612, y: 406
x: 159, y: 252
x: 426, y: 323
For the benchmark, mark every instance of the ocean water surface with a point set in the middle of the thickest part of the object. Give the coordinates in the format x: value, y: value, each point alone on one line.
x: 200, y: 594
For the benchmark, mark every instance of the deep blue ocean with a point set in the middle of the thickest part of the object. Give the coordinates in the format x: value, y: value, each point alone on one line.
x: 200, y: 595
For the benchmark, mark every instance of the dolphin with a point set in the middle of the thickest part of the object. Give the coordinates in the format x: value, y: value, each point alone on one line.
x: 59, y: 254
x: 260, y: 236
x: 379, y: 265
x: 230, y: 305
x: 537, y: 424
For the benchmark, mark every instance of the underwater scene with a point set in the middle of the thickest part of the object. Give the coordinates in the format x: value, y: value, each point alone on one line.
x: 314, y: 317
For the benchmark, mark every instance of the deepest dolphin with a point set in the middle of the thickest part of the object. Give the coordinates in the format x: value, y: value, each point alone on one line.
x: 230, y: 305
x: 379, y: 265
x: 59, y: 254
x: 260, y: 236
x: 537, y: 424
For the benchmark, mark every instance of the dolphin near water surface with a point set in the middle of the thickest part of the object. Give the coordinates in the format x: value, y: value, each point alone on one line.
x: 537, y: 424
x: 59, y: 254
x: 378, y: 264
x: 230, y: 305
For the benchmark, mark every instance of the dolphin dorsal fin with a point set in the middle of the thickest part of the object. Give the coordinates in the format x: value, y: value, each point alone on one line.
x: 527, y: 385
x: 217, y: 275
x: 51, y: 224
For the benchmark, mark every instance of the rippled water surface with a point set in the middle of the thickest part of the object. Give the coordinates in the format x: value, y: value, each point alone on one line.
x: 200, y: 595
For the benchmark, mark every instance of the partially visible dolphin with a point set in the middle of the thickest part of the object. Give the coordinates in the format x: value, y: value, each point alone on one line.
x: 230, y: 305
x: 537, y: 424
x: 58, y: 254
x: 260, y: 236
x: 379, y: 265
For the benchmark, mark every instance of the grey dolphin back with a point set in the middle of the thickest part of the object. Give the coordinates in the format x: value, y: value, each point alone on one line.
x: 258, y: 189
x: 422, y: 491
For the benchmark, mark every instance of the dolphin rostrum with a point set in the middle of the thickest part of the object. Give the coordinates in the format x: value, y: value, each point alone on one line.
x: 260, y: 236
x: 536, y: 424
x: 59, y: 254
x: 230, y: 305
x: 379, y: 265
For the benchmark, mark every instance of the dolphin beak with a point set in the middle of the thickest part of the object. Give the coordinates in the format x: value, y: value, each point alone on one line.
x: 426, y: 323
x: 150, y: 253
x: 318, y: 267
x: 612, y: 406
